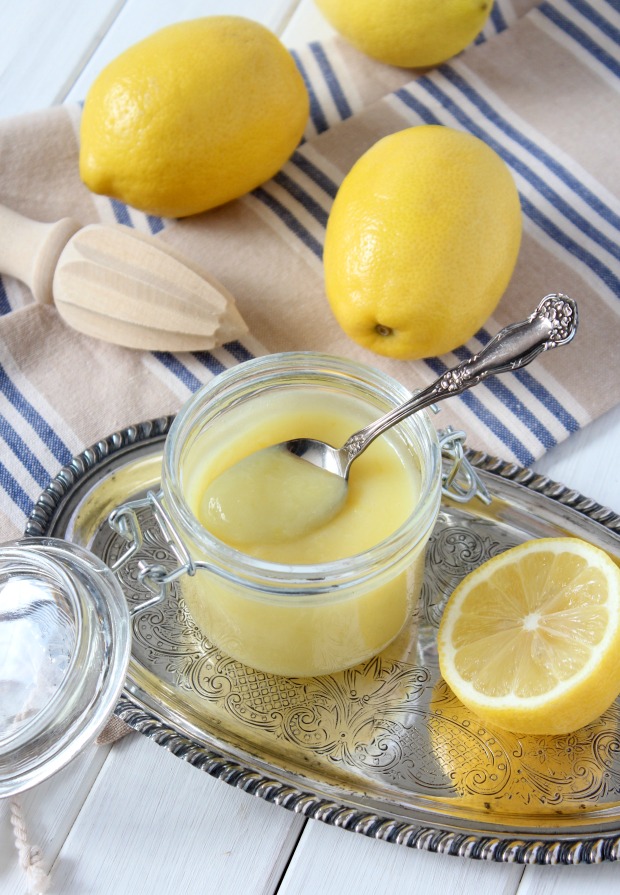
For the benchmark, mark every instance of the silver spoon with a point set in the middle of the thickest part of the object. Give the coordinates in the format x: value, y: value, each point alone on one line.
x: 553, y: 323
x: 234, y: 505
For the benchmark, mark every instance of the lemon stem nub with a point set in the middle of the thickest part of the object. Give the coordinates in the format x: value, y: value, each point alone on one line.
x: 382, y: 330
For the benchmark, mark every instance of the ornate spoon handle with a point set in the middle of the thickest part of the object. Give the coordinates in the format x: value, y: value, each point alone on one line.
x: 553, y: 323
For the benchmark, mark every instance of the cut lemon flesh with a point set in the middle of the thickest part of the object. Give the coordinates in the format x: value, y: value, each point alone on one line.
x: 530, y: 641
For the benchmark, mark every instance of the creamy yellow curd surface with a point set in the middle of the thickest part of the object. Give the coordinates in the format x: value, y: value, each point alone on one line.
x: 271, y: 497
x: 291, y: 631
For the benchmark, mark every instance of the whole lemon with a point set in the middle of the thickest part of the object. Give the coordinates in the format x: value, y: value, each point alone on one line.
x: 193, y: 116
x: 408, y: 33
x: 421, y: 242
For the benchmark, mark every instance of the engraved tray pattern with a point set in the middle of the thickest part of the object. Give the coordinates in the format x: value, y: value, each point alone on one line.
x: 384, y: 748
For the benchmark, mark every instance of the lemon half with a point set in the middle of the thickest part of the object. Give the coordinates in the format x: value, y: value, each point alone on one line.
x: 530, y: 641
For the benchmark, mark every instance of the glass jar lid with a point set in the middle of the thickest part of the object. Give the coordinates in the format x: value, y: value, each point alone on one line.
x: 64, y: 650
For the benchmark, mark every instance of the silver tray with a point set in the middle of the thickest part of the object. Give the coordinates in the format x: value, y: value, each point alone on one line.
x: 383, y: 749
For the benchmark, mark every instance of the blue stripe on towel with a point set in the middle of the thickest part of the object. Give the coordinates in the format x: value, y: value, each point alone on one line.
x: 211, y: 363
x: 315, y: 174
x: 288, y: 218
x: 596, y: 18
x: 566, y: 176
x: 497, y: 17
x: 490, y: 420
x: 15, y: 492
x: 498, y: 428
x: 551, y: 228
x: 538, y: 390
x: 317, y: 115
x: 416, y: 105
x: 337, y: 93
x: 174, y: 365
x: 575, y: 248
x: 156, y: 225
x: 121, y: 212
x: 5, y: 306
x: 238, y: 351
x: 34, y: 419
x: 18, y: 446
x: 580, y: 37
x: 503, y: 393
x: 310, y: 204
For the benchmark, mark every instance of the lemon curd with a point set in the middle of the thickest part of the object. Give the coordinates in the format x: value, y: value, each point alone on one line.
x: 270, y: 497
x: 337, y: 592
x: 384, y: 482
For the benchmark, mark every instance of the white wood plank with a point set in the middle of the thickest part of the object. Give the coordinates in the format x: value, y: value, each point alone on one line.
x: 333, y: 861
x: 307, y: 23
x: 44, y: 46
x: 153, y: 824
x: 593, y: 879
x: 588, y: 461
x: 139, y: 18
x: 281, y: 18
x: 49, y: 811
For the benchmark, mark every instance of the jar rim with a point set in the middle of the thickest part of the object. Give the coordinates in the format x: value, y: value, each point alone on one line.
x: 235, y: 565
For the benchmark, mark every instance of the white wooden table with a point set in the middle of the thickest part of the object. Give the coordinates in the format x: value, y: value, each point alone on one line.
x: 132, y: 818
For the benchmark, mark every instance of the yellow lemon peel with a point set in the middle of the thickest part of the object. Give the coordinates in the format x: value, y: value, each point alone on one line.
x: 408, y: 33
x: 197, y: 114
x: 421, y: 242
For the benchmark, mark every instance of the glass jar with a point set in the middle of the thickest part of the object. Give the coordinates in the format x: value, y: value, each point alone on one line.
x: 310, y: 619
